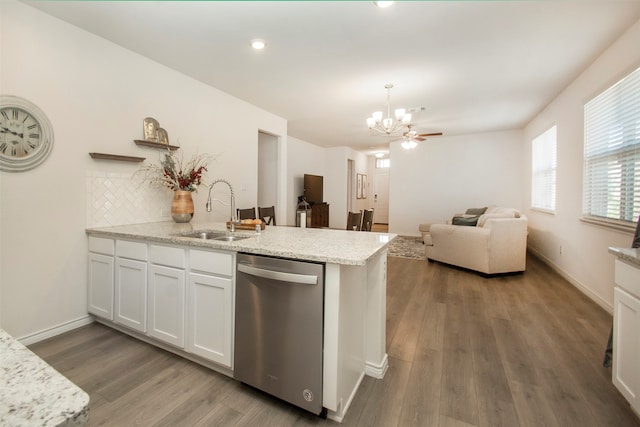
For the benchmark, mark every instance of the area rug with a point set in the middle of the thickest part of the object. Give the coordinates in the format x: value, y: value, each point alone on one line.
x: 407, y: 247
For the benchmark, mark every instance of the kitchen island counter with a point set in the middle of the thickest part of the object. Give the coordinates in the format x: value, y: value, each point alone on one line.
x: 308, y: 244
x: 354, y: 302
x: 32, y: 393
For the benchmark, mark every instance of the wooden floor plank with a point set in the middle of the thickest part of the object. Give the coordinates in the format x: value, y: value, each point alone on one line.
x: 405, y: 339
x: 385, y: 400
x: 421, y: 404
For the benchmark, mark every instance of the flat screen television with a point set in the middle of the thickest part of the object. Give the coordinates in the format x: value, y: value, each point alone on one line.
x: 313, y: 189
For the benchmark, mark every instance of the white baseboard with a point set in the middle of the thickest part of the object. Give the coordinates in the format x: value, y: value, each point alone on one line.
x: 339, y: 415
x: 582, y: 288
x: 56, y: 330
x: 377, y: 371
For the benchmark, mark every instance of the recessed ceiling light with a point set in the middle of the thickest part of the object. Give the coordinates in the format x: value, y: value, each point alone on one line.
x: 383, y: 4
x: 258, y: 44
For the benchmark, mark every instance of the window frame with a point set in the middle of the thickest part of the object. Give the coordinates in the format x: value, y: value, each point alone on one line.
x: 612, y: 148
x: 383, y: 160
x: 550, y: 166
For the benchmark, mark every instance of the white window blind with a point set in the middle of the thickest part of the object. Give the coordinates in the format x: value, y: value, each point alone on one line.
x: 612, y: 152
x: 543, y: 171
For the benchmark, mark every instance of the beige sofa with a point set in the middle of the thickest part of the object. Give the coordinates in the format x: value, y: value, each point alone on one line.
x: 496, y: 244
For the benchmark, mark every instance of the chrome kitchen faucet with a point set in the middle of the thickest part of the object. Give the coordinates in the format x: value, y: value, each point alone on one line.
x: 233, y: 217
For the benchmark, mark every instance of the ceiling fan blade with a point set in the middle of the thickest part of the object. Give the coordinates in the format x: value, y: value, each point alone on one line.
x: 418, y: 138
x: 430, y: 134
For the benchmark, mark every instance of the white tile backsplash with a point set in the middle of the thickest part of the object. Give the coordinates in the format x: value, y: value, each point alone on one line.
x: 119, y: 199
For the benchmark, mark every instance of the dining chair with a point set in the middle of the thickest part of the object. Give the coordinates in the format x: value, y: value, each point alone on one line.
x: 249, y: 213
x: 354, y: 221
x: 267, y: 215
x: 367, y: 220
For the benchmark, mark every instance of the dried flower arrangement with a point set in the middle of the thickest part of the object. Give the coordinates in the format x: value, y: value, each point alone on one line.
x: 173, y: 174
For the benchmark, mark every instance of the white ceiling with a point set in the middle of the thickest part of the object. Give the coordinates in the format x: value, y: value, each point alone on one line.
x: 474, y: 66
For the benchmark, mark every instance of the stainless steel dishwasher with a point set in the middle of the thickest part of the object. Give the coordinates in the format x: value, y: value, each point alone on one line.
x: 279, y: 328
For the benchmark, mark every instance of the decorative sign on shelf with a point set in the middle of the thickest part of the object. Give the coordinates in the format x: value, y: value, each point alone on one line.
x: 153, y: 132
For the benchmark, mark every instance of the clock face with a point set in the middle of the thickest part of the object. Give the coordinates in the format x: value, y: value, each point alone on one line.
x: 20, y: 133
x: 26, y: 136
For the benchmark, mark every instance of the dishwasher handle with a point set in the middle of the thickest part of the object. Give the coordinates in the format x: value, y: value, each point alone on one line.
x: 304, y: 279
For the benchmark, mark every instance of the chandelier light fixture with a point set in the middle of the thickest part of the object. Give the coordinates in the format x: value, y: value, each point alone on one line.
x: 389, y: 125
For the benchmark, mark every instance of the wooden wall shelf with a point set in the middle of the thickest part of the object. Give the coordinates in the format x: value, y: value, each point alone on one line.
x: 118, y: 157
x: 155, y: 144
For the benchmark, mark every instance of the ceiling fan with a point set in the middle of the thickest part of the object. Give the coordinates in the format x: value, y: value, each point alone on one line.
x: 410, y: 137
x: 412, y: 134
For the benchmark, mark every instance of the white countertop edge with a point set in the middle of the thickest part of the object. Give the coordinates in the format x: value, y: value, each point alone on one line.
x: 631, y: 255
x: 321, y: 245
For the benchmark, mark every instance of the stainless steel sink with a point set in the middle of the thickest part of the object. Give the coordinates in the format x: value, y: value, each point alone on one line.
x: 230, y: 238
x: 215, y: 235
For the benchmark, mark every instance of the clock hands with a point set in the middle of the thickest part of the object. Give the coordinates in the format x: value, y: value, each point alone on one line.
x: 7, y: 130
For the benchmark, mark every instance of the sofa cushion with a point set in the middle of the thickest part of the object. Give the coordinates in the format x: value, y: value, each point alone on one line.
x: 476, y: 211
x: 483, y: 218
x: 513, y: 213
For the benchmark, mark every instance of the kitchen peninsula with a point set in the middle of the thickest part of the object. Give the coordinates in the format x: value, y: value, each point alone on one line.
x: 184, y: 292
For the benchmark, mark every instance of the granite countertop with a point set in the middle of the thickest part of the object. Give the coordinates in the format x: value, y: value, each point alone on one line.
x: 631, y: 255
x: 32, y: 393
x: 309, y: 244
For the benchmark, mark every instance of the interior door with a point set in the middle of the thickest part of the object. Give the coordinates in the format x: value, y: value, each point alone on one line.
x: 381, y: 198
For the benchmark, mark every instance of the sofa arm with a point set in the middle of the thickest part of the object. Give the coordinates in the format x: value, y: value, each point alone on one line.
x: 463, y: 246
x: 508, y: 243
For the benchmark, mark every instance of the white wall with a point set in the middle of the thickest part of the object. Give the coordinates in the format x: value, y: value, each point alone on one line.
x: 267, y: 170
x: 302, y: 158
x: 335, y: 183
x: 332, y: 165
x: 449, y: 174
x: 96, y: 95
x: 585, y: 260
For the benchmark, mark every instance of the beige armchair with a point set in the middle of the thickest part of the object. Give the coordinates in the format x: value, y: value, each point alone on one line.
x: 498, y: 244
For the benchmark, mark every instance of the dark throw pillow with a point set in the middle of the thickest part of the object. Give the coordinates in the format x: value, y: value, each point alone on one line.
x: 476, y: 211
x: 465, y: 220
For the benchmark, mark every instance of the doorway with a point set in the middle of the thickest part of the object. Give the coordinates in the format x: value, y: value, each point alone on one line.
x: 381, y: 197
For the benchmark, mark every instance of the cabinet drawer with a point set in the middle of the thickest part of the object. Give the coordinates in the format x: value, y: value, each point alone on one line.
x: 165, y: 255
x: 628, y: 277
x: 132, y: 250
x: 211, y: 262
x: 101, y: 246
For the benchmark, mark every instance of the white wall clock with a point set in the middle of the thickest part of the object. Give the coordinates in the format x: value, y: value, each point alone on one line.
x: 26, y: 135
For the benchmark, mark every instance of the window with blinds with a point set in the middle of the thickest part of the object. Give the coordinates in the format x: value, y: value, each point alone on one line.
x: 543, y: 171
x: 612, y: 152
x: 383, y: 163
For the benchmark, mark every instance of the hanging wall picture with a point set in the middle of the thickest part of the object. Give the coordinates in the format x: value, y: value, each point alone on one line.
x: 364, y: 186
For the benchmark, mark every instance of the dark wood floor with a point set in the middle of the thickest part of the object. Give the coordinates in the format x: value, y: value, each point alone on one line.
x: 523, y: 350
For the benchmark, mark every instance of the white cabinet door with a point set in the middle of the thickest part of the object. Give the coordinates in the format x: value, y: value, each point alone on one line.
x: 211, y: 318
x: 131, y: 294
x: 167, y: 304
x: 626, y: 339
x: 100, y: 295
